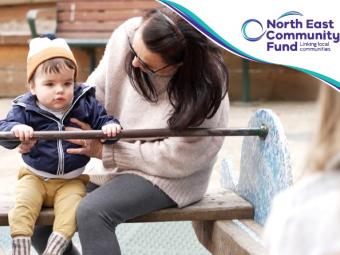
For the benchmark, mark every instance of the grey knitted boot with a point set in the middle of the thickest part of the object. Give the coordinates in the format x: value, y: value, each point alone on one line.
x: 21, y: 245
x: 56, y: 244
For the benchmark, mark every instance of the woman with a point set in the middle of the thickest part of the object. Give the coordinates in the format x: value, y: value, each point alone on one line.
x: 306, y: 218
x: 156, y: 72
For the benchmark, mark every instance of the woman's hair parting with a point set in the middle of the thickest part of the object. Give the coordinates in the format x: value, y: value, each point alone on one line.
x: 201, y: 80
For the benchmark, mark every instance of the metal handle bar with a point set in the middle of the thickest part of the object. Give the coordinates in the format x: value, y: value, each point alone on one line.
x: 142, y: 133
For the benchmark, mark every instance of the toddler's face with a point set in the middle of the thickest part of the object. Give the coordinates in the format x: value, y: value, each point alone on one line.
x: 54, y: 90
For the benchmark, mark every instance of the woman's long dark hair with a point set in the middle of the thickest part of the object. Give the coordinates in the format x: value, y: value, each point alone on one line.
x: 200, y: 82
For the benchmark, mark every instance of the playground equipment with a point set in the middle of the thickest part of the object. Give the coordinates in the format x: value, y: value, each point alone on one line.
x: 228, y: 221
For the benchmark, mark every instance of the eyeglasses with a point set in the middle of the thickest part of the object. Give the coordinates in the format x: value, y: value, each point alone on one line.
x: 145, y: 66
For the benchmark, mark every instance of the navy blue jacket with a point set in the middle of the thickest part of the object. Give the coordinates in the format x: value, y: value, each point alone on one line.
x: 50, y: 155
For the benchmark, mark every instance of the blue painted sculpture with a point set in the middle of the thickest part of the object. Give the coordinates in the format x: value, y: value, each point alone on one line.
x: 265, y: 165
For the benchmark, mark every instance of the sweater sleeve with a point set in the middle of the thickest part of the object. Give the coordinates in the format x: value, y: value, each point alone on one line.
x: 172, y: 157
x: 169, y: 158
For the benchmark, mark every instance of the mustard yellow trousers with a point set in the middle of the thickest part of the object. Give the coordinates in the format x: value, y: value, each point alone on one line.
x: 33, y: 192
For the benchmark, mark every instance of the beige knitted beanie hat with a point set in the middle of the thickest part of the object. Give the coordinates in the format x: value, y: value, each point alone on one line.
x: 42, y: 49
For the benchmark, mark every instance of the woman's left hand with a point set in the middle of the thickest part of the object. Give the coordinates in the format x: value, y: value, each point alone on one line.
x: 90, y: 147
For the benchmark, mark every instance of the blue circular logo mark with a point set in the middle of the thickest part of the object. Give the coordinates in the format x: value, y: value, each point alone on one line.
x: 244, y: 28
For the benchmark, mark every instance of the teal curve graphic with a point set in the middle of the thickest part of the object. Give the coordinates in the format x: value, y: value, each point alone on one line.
x: 205, y: 29
x: 290, y: 13
x: 244, y: 30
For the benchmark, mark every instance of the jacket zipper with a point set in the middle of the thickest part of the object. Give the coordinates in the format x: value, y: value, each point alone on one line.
x: 60, y: 145
x: 60, y: 168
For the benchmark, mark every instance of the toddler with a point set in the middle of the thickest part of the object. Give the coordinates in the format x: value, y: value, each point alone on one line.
x: 50, y: 176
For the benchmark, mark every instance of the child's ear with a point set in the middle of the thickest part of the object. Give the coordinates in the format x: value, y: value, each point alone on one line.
x: 31, y: 87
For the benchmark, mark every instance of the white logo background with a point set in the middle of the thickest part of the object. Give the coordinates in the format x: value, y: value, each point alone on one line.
x: 226, y: 18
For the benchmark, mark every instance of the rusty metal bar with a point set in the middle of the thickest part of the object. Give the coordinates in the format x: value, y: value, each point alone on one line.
x: 142, y: 133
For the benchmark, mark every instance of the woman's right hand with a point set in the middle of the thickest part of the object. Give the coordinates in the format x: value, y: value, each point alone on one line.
x: 91, y: 147
x: 25, y: 147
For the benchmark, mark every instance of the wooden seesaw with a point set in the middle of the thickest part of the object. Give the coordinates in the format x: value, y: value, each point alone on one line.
x: 228, y: 221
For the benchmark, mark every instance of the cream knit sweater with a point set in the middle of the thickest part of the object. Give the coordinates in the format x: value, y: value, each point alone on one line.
x: 181, y: 167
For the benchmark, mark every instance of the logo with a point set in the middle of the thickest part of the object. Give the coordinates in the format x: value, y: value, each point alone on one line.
x: 244, y: 30
x: 292, y: 32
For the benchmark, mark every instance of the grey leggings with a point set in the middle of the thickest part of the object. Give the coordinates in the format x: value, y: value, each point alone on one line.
x: 124, y: 197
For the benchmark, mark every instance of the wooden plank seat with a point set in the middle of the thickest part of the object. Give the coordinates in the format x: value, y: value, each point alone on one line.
x: 89, y: 24
x: 220, y: 205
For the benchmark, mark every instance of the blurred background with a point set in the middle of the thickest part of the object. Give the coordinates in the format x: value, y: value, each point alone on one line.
x: 265, y: 82
x: 290, y: 94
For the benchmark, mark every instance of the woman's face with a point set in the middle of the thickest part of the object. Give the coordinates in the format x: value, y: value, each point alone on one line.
x: 146, y: 60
